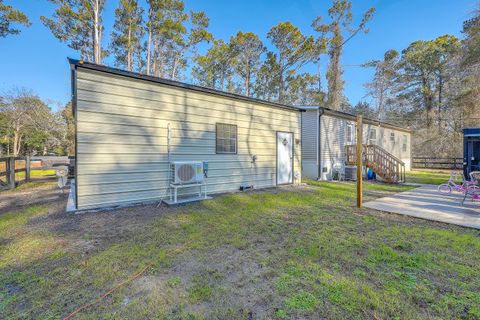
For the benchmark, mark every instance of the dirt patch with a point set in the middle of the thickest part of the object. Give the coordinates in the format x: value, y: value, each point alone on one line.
x: 237, y: 278
x: 46, y: 192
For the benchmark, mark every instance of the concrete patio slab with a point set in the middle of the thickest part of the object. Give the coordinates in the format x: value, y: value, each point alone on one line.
x: 427, y: 203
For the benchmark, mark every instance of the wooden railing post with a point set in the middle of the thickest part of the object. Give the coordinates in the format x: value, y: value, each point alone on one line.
x: 27, y: 169
x: 11, y: 172
x: 359, y: 162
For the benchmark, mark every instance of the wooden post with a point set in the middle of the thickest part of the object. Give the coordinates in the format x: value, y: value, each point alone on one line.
x: 27, y: 169
x: 359, y: 161
x: 11, y: 172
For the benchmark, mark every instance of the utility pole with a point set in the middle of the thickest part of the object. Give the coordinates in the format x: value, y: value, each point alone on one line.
x: 359, y: 161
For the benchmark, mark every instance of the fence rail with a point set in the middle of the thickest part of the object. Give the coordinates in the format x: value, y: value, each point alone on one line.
x: 11, y: 169
x: 437, y: 163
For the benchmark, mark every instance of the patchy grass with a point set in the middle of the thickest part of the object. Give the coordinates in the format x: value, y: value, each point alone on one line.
x: 31, y: 186
x: 18, y: 245
x: 12, y: 222
x: 428, y: 176
x: 34, y: 174
x: 302, y: 252
x: 34, y: 185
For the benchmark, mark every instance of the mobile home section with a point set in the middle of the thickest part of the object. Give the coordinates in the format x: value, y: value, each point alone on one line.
x: 122, y: 123
x: 326, y: 133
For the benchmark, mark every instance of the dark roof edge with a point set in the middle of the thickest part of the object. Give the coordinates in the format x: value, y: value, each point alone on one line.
x: 471, y: 131
x: 350, y: 116
x: 78, y: 63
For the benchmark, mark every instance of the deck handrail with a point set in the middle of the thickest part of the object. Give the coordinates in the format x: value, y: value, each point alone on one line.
x: 380, y: 160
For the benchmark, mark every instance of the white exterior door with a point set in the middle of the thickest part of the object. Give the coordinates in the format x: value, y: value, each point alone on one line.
x: 284, y: 157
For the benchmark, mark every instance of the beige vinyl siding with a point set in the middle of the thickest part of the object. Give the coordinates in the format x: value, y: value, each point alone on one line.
x: 333, y: 139
x: 394, y: 147
x: 122, y: 138
x: 310, y: 144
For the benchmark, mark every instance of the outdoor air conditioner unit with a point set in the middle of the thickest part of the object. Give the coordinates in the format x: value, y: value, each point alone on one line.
x: 351, y: 173
x: 186, y: 172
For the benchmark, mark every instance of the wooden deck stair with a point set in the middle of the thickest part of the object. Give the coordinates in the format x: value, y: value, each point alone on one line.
x: 384, y: 164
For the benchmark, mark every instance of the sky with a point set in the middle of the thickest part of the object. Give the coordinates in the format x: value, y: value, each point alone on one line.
x: 36, y: 60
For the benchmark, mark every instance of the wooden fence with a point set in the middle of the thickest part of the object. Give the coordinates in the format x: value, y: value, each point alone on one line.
x: 17, y: 170
x: 437, y: 163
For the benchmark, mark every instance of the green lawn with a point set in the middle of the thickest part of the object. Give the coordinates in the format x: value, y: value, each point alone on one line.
x: 19, y: 176
x: 34, y: 174
x: 304, y: 252
x: 428, y: 176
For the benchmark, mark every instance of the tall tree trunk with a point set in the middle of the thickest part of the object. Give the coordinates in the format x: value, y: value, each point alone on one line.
x: 281, y: 80
x: 97, y: 55
x: 16, y: 139
x: 334, y: 74
x: 82, y: 52
x: 155, y: 56
x: 130, y: 49
x: 334, y: 86
x: 100, y: 36
x: 440, y: 93
x: 15, y: 144
x: 247, y: 83
x: 19, y: 145
x: 427, y: 101
x: 319, y: 75
x: 159, y: 61
x: 381, y: 107
x: 149, y: 44
x: 176, y: 63
x: 174, y: 69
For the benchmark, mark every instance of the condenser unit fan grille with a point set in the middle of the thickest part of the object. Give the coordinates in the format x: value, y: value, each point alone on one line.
x: 185, y: 172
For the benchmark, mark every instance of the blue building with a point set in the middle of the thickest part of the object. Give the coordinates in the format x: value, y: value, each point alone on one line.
x: 471, y: 150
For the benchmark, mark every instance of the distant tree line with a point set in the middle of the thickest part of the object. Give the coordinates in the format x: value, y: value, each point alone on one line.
x: 29, y: 127
x: 162, y: 39
x: 432, y: 87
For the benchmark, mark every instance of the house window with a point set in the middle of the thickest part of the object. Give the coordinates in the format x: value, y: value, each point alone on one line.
x: 404, y: 143
x: 372, y: 136
x: 226, y: 138
x: 392, y: 136
x: 349, y: 133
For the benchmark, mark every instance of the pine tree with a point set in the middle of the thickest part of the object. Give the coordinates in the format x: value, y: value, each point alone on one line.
x: 128, y: 33
x: 294, y: 51
x: 164, y: 25
x: 9, y: 16
x: 267, y: 81
x: 214, y: 69
x: 247, y: 49
x: 79, y: 24
x: 187, y: 41
x: 341, y: 21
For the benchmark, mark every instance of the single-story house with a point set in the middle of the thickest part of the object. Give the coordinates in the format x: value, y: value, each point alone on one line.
x: 130, y: 128
x: 326, y: 133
